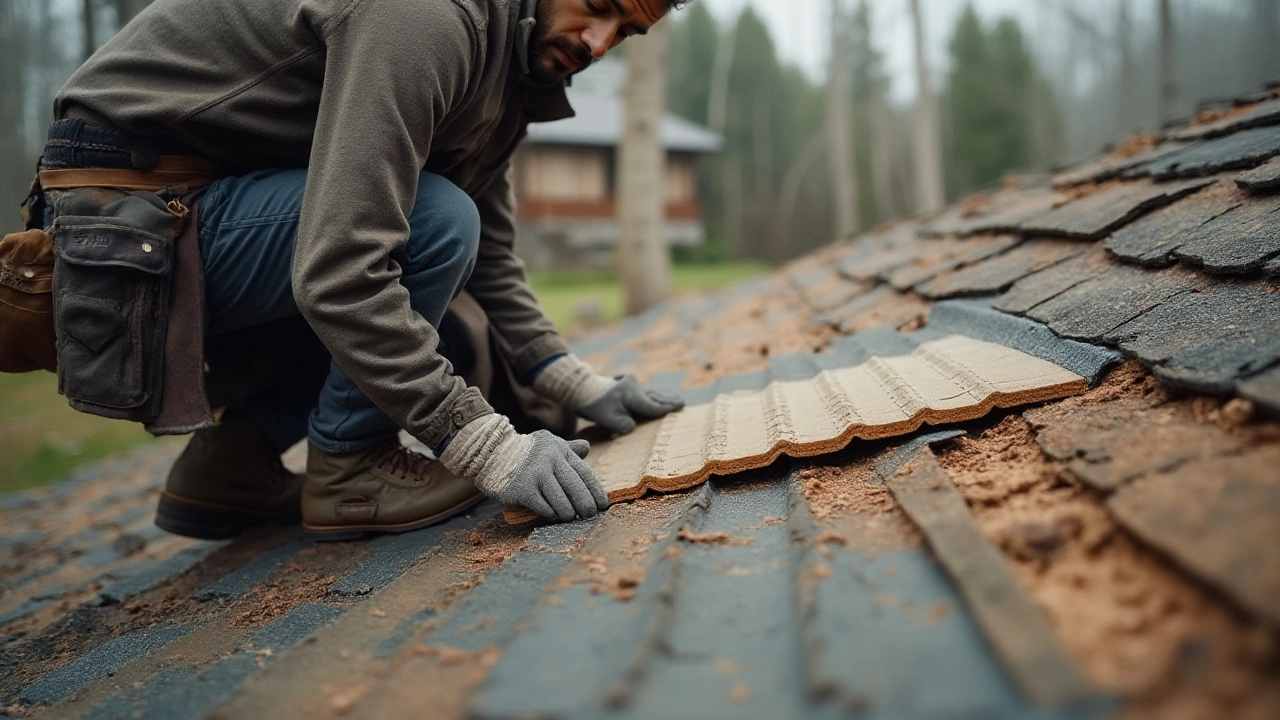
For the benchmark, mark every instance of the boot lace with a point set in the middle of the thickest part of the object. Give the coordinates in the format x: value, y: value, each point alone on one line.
x: 400, y: 461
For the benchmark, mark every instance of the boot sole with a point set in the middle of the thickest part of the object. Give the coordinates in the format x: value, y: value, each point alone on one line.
x: 334, y: 533
x: 208, y: 521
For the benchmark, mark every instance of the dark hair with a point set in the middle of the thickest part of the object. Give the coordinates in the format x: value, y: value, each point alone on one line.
x: 677, y: 4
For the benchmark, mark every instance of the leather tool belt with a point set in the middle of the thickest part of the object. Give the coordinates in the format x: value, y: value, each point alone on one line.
x: 88, y: 297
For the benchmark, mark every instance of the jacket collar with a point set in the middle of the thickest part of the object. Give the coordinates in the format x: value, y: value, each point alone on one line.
x: 544, y: 103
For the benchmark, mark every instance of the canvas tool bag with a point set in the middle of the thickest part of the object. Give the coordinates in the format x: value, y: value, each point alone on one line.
x: 97, y: 316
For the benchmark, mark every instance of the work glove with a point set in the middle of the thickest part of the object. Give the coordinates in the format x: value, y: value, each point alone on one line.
x: 540, y: 471
x: 613, y: 404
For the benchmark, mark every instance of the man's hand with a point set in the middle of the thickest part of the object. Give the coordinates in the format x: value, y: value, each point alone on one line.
x: 540, y: 471
x: 617, y: 409
x: 612, y: 404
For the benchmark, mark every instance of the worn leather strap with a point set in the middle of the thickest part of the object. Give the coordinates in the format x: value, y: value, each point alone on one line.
x: 182, y: 172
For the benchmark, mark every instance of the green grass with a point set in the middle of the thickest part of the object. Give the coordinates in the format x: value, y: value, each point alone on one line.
x: 560, y: 291
x: 42, y: 439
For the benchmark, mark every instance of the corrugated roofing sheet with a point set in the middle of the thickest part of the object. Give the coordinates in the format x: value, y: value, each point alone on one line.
x: 945, y: 380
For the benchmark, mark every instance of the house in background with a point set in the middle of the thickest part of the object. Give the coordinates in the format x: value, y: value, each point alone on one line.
x: 566, y: 185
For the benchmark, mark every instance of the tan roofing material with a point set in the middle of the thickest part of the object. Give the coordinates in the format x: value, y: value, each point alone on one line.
x: 950, y: 379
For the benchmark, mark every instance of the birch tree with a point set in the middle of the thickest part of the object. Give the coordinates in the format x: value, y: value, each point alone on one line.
x: 644, y: 262
x: 928, y: 132
x: 1168, y: 81
x: 840, y: 129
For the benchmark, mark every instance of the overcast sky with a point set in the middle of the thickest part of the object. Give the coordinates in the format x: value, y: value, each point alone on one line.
x: 800, y: 27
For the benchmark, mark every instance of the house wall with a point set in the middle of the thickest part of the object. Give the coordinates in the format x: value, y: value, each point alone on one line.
x: 563, y: 173
x: 567, y: 207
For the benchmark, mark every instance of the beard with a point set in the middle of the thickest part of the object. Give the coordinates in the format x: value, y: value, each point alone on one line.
x: 545, y: 67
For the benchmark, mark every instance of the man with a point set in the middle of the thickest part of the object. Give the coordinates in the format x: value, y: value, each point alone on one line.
x: 367, y: 149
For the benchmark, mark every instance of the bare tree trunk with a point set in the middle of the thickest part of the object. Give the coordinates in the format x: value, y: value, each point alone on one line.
x: 718, y: 94
x: 1266, y: 41
x: 90, y: 29
x: 1128, y: 74
x: 733, y: 203
x: 761, y: 152
x: 1168, y: 81
x: 15, y: 173
x: 644, y: 261
x: 789, y: 195
x: 881, y: 160
x: 930, y: 194
x: 844, y: 183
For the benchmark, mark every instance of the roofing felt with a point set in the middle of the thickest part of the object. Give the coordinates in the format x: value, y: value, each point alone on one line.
x: 598, y: 123
x: 1114, y: 546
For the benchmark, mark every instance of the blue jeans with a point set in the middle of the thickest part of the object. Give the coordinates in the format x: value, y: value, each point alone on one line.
x: 248, y: 225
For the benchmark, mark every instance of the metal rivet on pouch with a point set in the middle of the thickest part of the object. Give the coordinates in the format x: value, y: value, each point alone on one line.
x: 28, y: 274
x: 146, y: 247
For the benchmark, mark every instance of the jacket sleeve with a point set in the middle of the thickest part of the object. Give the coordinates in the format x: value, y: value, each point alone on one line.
x: 393, y: 70
x: 526, y: 336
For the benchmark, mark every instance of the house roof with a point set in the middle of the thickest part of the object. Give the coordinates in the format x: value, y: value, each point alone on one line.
x: 1115, y: 547
x: 598, y: 123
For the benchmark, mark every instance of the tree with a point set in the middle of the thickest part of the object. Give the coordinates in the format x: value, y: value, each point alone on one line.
x: 767, y: 113
x: 873, y: 123
x: 643, y: 258
x: 993, y: 91
x: 1168, y: 81
x: 839, y: 128
x: 928, y: 150
x: 694, y: 48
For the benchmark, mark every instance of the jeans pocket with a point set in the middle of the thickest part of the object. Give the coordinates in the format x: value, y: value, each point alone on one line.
x: 110, y: 303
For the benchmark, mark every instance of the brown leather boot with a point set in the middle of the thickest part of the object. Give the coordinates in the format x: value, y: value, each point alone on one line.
x: 228, y: 479
x: 385, y: 489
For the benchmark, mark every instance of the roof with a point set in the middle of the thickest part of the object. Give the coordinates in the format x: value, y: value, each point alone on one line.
x: 599, y: 120
x: 1113, y: 547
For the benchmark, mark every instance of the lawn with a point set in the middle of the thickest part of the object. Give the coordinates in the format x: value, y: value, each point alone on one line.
x: 560, y: 291
x: 43, y: 440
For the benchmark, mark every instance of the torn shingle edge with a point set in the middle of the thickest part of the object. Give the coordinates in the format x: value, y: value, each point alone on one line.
x: 951, y: 379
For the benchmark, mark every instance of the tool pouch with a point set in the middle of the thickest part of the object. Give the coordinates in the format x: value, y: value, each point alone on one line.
x: 26, y: 302
x: 111, y: 283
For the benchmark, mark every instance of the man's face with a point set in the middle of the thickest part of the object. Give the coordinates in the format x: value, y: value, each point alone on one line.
x: 572, y: 34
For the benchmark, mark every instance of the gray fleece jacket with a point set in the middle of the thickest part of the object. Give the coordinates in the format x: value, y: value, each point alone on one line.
x: 366, y: 94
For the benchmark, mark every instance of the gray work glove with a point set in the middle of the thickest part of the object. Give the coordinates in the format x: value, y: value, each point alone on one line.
x: 540, y: 471
x: 613, y: 404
